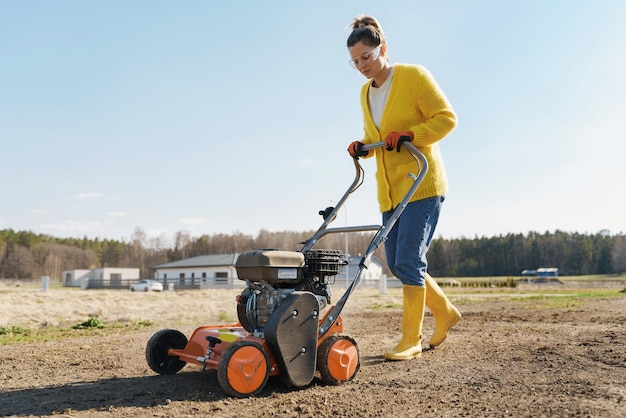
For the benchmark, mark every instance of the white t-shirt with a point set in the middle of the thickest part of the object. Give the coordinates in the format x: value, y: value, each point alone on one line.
x: 377, y: 97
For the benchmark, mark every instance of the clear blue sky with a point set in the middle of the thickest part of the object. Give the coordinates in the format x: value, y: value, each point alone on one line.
x: 216, y: 117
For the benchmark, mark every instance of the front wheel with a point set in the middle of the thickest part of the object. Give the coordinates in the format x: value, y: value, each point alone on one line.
x: 243, y: 369
x: 338, y: 359
x: 157, y: 351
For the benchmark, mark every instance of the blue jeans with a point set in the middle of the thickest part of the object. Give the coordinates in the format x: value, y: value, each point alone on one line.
x: 408, y: 241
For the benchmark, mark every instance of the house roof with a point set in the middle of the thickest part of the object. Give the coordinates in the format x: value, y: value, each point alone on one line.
x: 211, y: 260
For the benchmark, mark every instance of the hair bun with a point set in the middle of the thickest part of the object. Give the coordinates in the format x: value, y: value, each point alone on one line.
x: 363, y: 21
x: 366, y: 29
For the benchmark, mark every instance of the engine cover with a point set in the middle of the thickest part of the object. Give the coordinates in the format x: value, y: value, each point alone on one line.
x: 271, y: 266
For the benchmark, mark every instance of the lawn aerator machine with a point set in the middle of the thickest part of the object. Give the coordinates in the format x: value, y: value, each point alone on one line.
x: 287, y: 325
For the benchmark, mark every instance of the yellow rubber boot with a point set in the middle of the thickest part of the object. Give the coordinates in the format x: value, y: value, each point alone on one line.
x: 445, y: 314
x: 414, y: 304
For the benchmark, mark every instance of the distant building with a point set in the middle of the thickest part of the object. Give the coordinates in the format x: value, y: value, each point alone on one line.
x: 542, y: 272
x: 373, y: 272
x: 201, y: 271
x: 73, y: 278
x: 206, y: 271
x: 113, y: 277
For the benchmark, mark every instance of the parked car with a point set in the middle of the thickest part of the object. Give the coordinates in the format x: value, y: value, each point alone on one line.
x: 146, y: 286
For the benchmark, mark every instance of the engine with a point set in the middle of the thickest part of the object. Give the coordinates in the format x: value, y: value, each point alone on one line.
x: 271, y: 275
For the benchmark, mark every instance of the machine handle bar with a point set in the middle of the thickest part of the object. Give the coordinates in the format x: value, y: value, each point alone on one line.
x: 382, y: 230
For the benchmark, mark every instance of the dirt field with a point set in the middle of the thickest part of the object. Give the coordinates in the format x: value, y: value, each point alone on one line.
x: 511, y: 355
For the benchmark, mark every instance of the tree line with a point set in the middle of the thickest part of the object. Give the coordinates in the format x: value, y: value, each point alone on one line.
x: 26, y: 255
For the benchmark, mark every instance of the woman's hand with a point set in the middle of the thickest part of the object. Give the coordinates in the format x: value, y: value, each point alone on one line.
x: 394, y: 139
x: 356, y: 150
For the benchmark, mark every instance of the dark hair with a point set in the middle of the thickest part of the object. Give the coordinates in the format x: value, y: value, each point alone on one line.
x: 366, y: 29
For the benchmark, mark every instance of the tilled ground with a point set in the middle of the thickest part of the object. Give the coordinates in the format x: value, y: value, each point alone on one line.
x: 505, y: 358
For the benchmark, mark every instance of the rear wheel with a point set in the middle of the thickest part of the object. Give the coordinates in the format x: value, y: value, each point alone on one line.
x: 338, y: 359
x: 243, y: 369
x: 157, y: 351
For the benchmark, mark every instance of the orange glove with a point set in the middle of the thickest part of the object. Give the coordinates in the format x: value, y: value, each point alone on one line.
x: 395, y: 139
x: 356, y: 150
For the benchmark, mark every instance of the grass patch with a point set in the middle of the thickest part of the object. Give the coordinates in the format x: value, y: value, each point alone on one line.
x: 553, y: 301
x: 456, y: 301
x: 565, y: 300
x: 11, y: 335
x: 13, y: 331
x: 14, y: 335
x: 89, y: 324
x: 387, y: 305
x: 225, y: 316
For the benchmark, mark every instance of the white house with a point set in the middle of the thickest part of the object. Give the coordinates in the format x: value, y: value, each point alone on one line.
x: 373, y: 272
x: 106, y: 276
x: 73, y: 278
x: 203, y: 270
x: 219, y: 270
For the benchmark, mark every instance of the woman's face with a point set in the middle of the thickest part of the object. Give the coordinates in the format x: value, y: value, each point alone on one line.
x: 367, y: 59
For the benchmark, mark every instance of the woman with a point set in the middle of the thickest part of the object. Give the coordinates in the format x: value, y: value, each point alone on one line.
x: 404, y: 103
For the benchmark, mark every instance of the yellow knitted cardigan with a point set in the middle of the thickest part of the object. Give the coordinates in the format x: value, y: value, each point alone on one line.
x: 417, y: 104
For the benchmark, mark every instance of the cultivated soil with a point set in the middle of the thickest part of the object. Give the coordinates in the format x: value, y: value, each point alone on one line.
x: 511, y: 355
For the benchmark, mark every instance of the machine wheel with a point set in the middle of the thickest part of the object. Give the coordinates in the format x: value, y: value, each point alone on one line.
x: 157, y: 348
x: 338, y: 359
x: 243, y: 369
